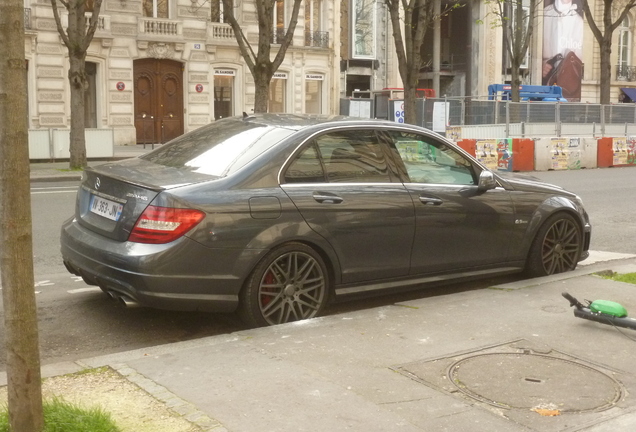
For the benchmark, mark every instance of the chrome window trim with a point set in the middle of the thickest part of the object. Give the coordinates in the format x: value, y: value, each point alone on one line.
x: 377, y: 127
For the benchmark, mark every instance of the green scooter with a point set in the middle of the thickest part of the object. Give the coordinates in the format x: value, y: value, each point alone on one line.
x: 602, y: 311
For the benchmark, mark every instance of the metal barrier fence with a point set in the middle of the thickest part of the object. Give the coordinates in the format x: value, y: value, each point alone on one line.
x: 520, y: 119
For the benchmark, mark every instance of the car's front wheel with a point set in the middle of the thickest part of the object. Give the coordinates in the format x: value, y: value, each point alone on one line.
x: 289, y: 284
x: 556, y: 247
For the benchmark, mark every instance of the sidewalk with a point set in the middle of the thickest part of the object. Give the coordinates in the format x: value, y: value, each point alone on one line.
x: 59, y: 170
x: 476, y: 361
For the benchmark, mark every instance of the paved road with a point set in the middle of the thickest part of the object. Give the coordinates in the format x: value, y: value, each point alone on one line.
x: 76, y: 320
x: 608, y: 195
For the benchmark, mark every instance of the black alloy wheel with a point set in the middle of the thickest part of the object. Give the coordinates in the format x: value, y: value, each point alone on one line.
x: 289, y: 284
x: 557, y: 246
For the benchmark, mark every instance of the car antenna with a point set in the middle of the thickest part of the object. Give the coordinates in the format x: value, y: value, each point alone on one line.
x: 246, y: 116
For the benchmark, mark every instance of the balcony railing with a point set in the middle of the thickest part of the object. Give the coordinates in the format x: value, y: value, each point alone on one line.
x: 221, y: 31
x: 103, y: 22
x: 160, y: 27
x: 625, y: 73
x: 27, y: 18
x: 317, y: 39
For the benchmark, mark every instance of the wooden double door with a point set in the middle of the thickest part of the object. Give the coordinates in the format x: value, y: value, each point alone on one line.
x: 158, y: 100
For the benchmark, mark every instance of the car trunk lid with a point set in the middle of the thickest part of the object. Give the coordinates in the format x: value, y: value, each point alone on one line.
x: 113, y: 196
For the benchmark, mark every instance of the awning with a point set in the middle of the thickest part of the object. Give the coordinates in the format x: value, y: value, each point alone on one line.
x: 630, y: 92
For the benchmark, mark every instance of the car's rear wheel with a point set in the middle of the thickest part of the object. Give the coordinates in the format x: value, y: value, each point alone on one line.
x: 289, y: 284
x: 556, y: 247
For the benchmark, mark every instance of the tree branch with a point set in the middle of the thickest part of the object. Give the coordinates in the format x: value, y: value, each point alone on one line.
x: 289, y: 35
x: 58, y: 22
x: 244, y: 46
x: 92, y: 26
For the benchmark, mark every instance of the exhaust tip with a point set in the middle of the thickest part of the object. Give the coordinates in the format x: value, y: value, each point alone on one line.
x: 122, y: 299
x: 128, y: 302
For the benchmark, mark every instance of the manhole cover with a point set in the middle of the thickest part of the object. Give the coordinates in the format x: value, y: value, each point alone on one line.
x: 526, y: 381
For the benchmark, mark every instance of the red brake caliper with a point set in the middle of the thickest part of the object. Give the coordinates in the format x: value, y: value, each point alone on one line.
x: 268, y: 280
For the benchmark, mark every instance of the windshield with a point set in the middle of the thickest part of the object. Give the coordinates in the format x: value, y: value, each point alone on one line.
x: 219, y: 148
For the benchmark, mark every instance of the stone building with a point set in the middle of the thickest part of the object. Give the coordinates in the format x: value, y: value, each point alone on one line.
x: 159, y: 68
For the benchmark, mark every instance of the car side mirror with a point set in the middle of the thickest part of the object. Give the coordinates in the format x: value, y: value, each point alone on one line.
x: 486, y: 181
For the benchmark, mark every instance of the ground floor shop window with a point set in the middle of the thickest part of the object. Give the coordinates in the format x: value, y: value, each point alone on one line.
x: 223, y: 93
x: 313, y: 93
x: 90, y: 96
x: 278, y: 93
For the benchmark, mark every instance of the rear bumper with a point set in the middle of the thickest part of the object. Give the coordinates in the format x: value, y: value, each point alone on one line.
x: 182, y: 275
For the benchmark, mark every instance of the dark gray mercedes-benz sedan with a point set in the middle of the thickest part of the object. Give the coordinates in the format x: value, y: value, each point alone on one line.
x: 276, y: 215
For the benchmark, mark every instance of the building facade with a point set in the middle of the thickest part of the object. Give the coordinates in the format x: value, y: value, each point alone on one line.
x: 159, y: 68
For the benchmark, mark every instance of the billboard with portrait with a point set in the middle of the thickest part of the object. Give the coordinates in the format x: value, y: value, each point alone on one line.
x: 563, y: 46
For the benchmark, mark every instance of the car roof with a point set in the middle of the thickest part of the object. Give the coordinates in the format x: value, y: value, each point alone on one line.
x: 301, y: 121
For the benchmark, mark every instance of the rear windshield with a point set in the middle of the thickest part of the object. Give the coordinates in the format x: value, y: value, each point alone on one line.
x: 219, y: 148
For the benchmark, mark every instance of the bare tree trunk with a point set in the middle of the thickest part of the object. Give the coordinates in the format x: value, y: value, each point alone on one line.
x: 515, y: 82
x: 409, y: 20
x: 16, y: 251
x: 410, y: 98
x: 77, y: 37
x: 606, y: 70
x: 79, y: 83
x: 262, y: 79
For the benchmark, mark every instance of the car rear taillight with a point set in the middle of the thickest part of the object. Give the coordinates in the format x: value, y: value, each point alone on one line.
x: 164, y: 224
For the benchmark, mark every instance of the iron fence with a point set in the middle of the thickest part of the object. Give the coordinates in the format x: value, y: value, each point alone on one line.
x: 516, y: 118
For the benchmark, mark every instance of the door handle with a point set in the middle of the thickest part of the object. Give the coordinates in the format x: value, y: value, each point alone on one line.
x: 431, y: 201
x: 327, y: 198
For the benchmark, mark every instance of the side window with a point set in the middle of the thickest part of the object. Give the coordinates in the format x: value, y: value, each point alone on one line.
x: 354, y: 157
x: 306, y: 168
x: 430, y: 161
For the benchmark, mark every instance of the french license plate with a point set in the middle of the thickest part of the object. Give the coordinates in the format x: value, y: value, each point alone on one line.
x: 107, y: 208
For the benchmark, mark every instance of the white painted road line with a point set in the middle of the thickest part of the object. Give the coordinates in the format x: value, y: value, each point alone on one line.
x: 52, y: 192
x: 83, y: 290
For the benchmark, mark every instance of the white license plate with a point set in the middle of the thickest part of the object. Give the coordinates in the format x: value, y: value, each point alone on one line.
x: 107, y: 208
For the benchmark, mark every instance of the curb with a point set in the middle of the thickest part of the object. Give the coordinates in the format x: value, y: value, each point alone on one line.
x: 180, y: 407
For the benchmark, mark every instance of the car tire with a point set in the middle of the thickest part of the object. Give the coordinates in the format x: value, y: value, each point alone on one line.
x: 556, y: 248
x: 289, y: 284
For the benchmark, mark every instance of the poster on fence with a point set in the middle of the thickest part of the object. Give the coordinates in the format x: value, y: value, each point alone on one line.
x: 486, y: 153
x: 559, y: 150
x: 454, y: 133
x: 565, y: 153
x: 620, y: 151
x: 504, y: 154
x: 631, y: 150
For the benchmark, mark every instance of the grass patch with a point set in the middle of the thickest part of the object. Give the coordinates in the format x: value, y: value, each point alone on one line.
x: 62, y: 416
x: 620, y: 277
x: 93, y: 371
x: 71, y: 170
